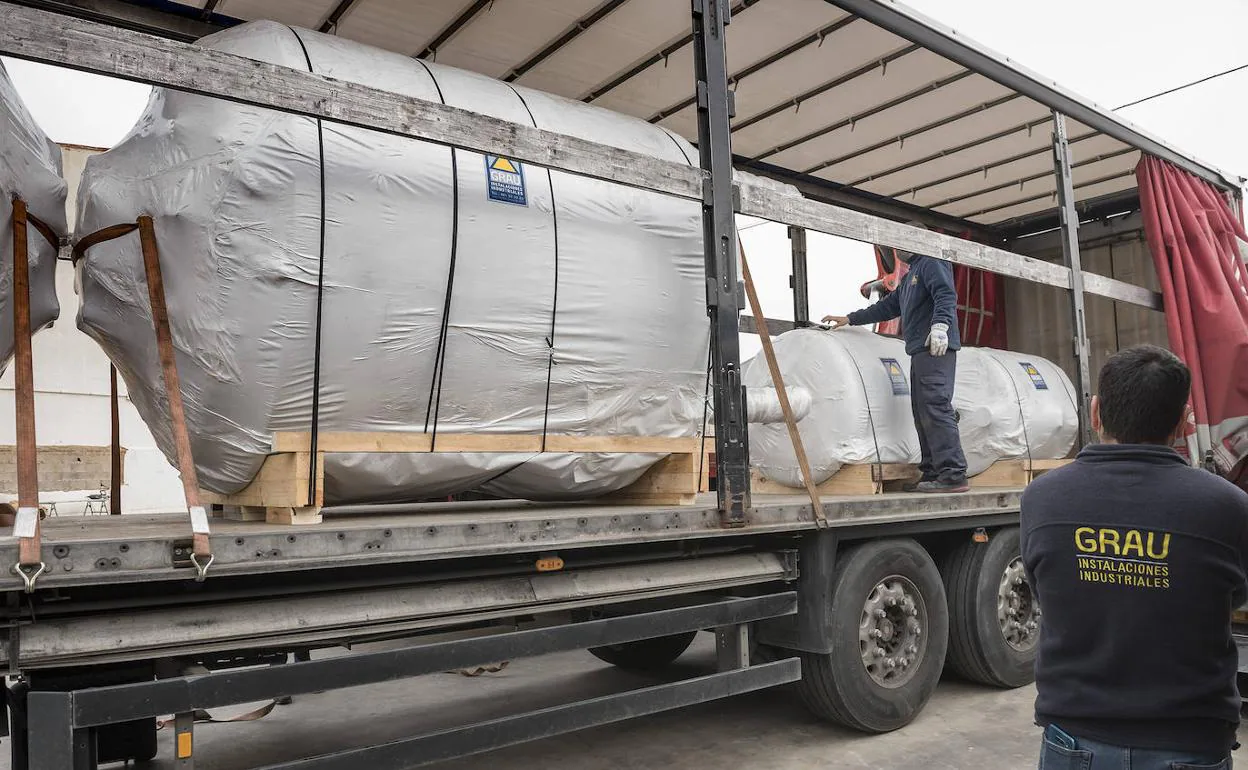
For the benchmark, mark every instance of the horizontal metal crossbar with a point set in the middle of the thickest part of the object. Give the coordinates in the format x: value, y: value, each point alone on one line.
x: 514, y: 730
x: 121, y: 703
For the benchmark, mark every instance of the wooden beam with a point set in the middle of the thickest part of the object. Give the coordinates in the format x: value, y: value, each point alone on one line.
x: 762, y: 201
x: 35, y: 35
x: 396, y: 442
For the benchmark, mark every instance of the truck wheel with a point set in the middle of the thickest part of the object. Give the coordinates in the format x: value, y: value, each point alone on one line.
x: 645, y: 654
x: 994, y: 620
x: 889, y: 631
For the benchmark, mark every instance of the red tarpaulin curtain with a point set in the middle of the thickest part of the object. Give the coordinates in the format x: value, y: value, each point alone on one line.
x: 1198, y: 247
x: 981, y: 302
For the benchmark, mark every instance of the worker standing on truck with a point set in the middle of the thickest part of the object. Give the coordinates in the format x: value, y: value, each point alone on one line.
x: 1138, y: 560
x: 928, y: 305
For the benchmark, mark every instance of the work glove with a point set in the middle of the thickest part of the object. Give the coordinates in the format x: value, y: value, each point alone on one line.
x: 938, y: 339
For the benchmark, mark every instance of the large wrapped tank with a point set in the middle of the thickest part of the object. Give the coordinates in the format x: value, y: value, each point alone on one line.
x: 461, y: 292
x: 1009, y: 405
x: 30, y: 167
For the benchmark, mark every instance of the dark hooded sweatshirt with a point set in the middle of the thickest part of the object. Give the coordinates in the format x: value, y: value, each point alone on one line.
x: 925, y: 295
x: 1138, y: 561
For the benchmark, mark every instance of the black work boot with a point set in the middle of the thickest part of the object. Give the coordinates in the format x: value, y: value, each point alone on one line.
x: 943, y: 486
x: 913, y: 486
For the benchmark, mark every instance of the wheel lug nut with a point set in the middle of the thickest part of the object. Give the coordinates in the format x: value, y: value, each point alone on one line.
x: 880, y: 614
x: 914, y: 613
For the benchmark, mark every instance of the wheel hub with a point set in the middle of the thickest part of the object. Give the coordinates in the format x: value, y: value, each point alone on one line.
x: 1018, y: 612
x: 890, y: 633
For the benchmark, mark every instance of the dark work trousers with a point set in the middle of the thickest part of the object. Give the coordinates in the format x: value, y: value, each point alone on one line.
x: 931, y: 398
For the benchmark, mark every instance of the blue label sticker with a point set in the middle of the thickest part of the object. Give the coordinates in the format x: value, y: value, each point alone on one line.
x: 1036, y: 378
x: 505, y: 180
x: 896, y: 376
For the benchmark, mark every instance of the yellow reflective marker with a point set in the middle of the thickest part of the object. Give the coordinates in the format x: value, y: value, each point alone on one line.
x: 184, y: 745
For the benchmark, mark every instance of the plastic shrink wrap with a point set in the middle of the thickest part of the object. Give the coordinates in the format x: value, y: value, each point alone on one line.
x: 30, y: 167
x: 1009, y: 405
x: 459, y: 292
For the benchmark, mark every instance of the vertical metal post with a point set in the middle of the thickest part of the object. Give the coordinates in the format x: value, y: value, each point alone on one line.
x: 1070, y: 257
x: 798, y: 281
x: 719, y: 238
x: 184, y: 740
x: 52, y: 741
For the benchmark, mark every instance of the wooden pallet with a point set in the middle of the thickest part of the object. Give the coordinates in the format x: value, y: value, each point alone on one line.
x: 279, y: 492
x: 875, y: 479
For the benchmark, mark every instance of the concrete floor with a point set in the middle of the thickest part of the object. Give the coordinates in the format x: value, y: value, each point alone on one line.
x: 962, y: 727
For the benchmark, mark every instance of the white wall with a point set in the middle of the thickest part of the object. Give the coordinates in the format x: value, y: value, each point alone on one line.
x: 71, y: 395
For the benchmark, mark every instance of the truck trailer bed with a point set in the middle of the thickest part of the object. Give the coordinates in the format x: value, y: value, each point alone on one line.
x: 112, y: 550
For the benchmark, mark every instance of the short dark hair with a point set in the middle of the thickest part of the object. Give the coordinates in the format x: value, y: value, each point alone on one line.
x: 1143, y: 390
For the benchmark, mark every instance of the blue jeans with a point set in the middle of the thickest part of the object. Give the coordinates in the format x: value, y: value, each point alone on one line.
x: 1093, y: 755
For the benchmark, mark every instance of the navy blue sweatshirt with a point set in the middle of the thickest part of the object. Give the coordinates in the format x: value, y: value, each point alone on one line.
x: 926, y: 296
x: 1138, y: 561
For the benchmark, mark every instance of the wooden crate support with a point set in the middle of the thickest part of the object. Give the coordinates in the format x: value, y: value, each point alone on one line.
x: 1014, y: 473
x: 875, y: 479
x: 872, y: 479
x: 280, y: 489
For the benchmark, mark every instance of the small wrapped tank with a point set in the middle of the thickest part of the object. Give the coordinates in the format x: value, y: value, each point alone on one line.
x: 458, y: 292
x: 30, y: 168
x: 1009, y: 405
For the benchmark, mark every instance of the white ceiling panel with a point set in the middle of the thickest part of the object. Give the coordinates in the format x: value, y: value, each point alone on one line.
x: 1049, y: 202
x: 846, y: 51
x: 955, y: 98
x: 610, y: 47
x: 507, y: 32
x: 880, y: 85
x: 403, y: 26
x: 1037, y: 163
x: 755, y: 34
x: 298, y: 13
x: 937, y: 140
x: 1045, y: 185
x: 961, y: 162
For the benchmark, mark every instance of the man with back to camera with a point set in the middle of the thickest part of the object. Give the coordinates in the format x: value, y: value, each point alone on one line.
x: 1138, y: 561
x: 928, y: 305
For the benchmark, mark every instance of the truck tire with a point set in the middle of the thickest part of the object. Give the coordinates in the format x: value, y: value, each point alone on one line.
x: 645, y: 654
x: 994, y: 620
x: 889, y: 630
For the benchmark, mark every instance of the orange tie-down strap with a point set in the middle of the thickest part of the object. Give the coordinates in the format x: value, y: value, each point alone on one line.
x: 26, y: 519
x: 201, y: 549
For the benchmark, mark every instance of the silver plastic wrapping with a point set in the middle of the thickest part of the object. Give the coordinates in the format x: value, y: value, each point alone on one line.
x: 1009, y: 405
x: 762, y: 405
x: 30, y: 167
x: 580, y: 310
